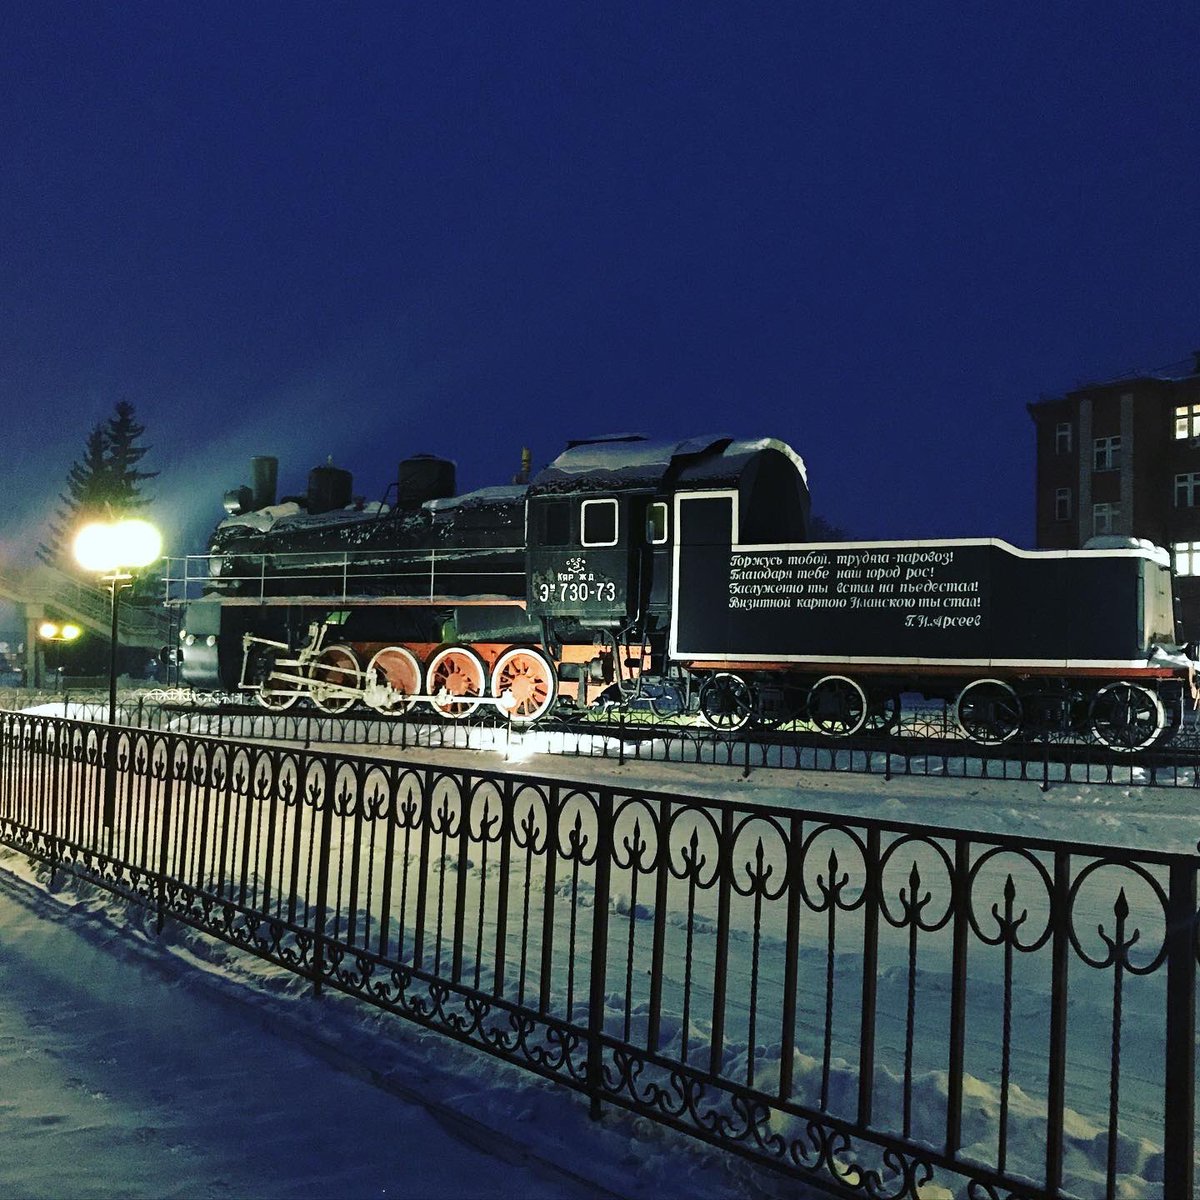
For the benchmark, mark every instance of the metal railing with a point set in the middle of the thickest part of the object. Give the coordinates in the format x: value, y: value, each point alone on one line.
x: 926, y: 744
x: 342, y: 574
x: 868, y: 1006
x: 89, y: 603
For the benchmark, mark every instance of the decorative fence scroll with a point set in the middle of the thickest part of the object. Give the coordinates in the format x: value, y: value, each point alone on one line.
x: 881, y: 1010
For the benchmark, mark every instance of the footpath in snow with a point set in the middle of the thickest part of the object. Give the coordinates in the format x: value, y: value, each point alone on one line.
x: 142, y: 1066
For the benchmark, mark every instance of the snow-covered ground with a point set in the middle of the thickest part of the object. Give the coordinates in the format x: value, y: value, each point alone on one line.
x: 503, y: 1107
x: 136, y: 1065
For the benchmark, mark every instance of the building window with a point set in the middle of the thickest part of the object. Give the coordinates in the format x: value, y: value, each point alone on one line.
x: 1104, y: 519
x: 1187, y: 558
x: 1106, y: 454
x: 599, y: 523
x: 1062, y: 438
x: 1187, y: 490
x: 1187, y: 421
x: 1062, y: 504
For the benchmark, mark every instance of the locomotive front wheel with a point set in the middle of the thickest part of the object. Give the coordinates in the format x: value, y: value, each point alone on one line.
x: 1126, y: 716
x: 726, y: 702
x: 274, y: 695
x: 456, y: 681
x: 837, y: 706
x: 524, y: 683
x: 335, y: 680
x: 393, y: 678
x: 988, y: 711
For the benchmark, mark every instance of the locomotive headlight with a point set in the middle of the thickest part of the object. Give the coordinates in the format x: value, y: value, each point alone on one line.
x: 210, y: 640
x: 189, y: 639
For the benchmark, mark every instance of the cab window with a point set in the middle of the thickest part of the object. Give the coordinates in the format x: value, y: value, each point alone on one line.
x: 656, y: 524
x: 556, y: 523
x: 599, y: 523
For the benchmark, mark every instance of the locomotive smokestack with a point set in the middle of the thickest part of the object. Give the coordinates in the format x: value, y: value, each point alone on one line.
x: 264, y: 473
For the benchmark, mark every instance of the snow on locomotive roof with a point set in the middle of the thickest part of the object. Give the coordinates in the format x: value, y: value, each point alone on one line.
x: 500, y: 494
x: 631, y: 460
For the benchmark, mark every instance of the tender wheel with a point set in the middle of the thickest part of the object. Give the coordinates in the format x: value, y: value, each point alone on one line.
x: 883, y: 715
x: 726, y: 702
x: 336, y: 682
x: 523, y: 681
x: 1126, y: 716
x: 988, y: 711
x: 393, y: 678
x: 837, y: 706
x: 456, y: 681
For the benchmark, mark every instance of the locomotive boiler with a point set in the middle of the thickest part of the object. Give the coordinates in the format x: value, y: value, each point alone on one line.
x: 679, y: 573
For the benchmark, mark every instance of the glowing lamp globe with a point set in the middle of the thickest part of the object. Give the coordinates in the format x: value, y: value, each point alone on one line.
x: 52, y: 631
x: 128, y: 544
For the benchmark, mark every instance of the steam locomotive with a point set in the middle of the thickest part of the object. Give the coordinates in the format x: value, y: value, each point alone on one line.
x: 678, y: 575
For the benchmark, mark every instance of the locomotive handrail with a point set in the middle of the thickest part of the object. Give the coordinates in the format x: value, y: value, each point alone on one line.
x: 187, y: 577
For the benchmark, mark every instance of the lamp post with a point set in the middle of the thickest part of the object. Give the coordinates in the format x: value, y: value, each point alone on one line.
x: 54, y: 632
x: 115, y: 549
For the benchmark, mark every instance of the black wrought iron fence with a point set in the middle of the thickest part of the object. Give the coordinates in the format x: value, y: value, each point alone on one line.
x: 880, y: 1009
x: 926, y: 744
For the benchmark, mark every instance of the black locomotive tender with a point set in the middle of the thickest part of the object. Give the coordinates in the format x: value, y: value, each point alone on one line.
x: 676, y: 573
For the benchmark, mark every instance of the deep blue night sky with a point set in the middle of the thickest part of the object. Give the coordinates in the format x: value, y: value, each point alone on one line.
x: 875, y: 231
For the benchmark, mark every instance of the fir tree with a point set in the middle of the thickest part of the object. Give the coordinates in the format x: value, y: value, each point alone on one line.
x: 103, y: 484
x: 123, y: 455
x: 86, y: 497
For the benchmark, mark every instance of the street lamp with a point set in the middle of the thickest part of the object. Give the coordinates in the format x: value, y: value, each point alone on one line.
x: 53, y: 631
x: 115, y: 549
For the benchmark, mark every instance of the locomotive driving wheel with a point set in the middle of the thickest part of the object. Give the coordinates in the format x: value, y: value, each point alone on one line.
x: 988, y: 711
x: 456, y: 681
x: 393, y: 678
x: 837, y: 706
x: 335, y: 679
x: 1126, y: 716
x: 524, y: 683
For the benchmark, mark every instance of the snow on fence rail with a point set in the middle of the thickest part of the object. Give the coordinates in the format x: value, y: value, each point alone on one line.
x: 879, y: 1009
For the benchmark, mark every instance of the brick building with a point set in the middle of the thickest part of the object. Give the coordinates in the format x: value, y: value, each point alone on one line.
x: 1123, y: 458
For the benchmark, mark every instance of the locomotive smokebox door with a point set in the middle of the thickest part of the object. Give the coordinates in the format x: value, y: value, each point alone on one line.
x: 579, y: 558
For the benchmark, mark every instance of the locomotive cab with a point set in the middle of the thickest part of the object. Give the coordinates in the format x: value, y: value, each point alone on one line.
x: 600, y: 537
